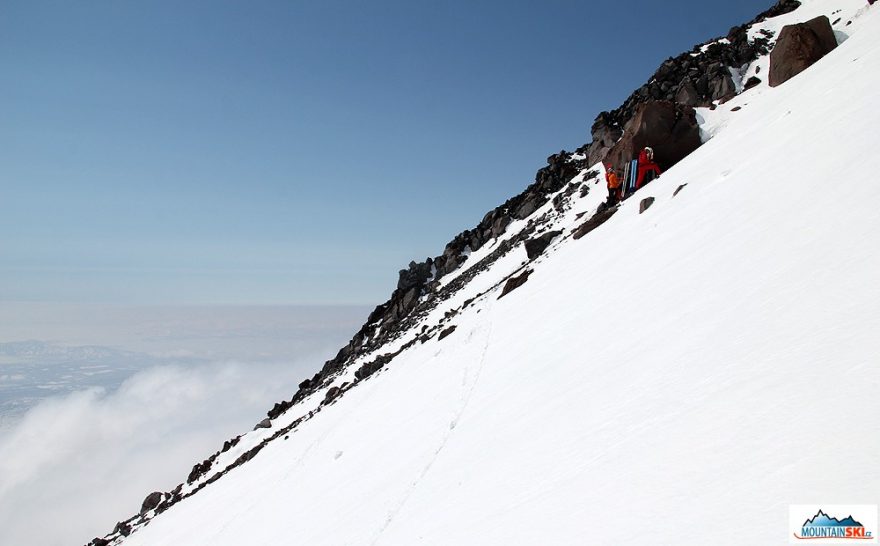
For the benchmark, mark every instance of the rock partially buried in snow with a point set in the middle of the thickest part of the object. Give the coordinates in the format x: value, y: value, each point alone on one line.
x: 446, y: 332
x: 535, y: 247
x: 645, y: 204
x: 515, y: 282
x: 265, y: 423
x: 595, y: 221
x: 799, y: 47
x: 332, y: 394
x: 754, y: 81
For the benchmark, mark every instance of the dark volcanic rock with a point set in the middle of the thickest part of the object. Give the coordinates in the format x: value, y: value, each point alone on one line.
x: 199, y: 470
x: 279, y: 408
x: 416, y: 275
x: 99, y: 542
x: 515, y: 282
x: 754, y: 81
x: 678, y: 189
x: 372, y: 367
x: 535, y: 247
x: 331, y: 395
x: 671, y: 129
x: 446, y: 332
x: 799, y: 47
x: 687, y: 93
x: 122, y: 528
x: 722, y: 88
x: 606, y: 132
x: 151, y: 502
x: 780, y: 8
x: 595, y: 221
x: 229, y: 444
x: 645, y: 204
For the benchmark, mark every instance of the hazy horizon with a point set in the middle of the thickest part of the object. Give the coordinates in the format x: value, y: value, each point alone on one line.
x: 102, y: 404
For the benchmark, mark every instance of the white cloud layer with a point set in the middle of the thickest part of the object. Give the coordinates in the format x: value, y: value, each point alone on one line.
x: 74, y: 465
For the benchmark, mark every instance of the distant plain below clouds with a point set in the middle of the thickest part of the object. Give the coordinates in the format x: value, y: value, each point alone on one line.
x: 101, y: 405
x: 52, y: 349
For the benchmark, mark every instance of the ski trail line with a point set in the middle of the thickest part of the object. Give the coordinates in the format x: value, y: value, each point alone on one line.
x: 464, y: 404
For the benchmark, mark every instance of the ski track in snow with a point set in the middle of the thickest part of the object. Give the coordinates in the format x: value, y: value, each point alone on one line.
x: 467, y: 394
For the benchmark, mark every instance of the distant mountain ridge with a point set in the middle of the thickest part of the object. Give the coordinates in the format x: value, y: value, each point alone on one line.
x: 821, y: 519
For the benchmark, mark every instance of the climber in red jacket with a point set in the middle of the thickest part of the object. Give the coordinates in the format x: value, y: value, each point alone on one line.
x: 648, y: 169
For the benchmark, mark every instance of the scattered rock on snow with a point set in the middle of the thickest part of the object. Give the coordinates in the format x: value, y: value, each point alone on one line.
x: 265, y: 423
x: 515, y: 282
x: 678, y: 189
x: 595, y: 221
x: 754, y: 81
x: 332, y: 393
x: 645, y: 204
x: 535, y: 247
x: 446, y: 332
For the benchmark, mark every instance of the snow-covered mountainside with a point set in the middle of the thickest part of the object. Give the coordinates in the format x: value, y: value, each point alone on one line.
x: 707, y: 351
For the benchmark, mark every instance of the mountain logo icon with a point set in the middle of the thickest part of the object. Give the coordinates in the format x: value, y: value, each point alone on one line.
x: 823, y: 526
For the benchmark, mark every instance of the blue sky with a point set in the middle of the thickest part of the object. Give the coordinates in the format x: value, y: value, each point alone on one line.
x: 292, y: 152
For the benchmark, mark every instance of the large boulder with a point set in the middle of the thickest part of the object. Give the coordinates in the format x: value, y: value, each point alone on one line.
x: 671, y: 129
x: 799, y: 47
x: 151, y: 502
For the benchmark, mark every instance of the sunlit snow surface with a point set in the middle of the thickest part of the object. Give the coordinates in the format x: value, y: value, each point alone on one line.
x: 651, y: 383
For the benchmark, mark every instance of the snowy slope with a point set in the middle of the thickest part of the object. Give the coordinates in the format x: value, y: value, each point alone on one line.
x: 666, y: 374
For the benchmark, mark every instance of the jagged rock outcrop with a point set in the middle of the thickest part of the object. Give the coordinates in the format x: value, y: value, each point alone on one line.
x: 421, y: 279
x: 670, y: 128
x: 606, y: 131
x: 695, y: 78
x: 780, y: 8
x: 799, y: 47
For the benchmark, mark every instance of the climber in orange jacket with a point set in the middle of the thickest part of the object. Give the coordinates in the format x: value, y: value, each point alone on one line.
x: 614, y: 185
x: 647, y: 167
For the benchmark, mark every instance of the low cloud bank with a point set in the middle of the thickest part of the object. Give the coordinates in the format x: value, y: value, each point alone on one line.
x: 74, y: 465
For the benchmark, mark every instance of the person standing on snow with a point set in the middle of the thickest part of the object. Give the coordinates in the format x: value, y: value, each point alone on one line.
x: 613, y: 185
x: 648, y: 169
